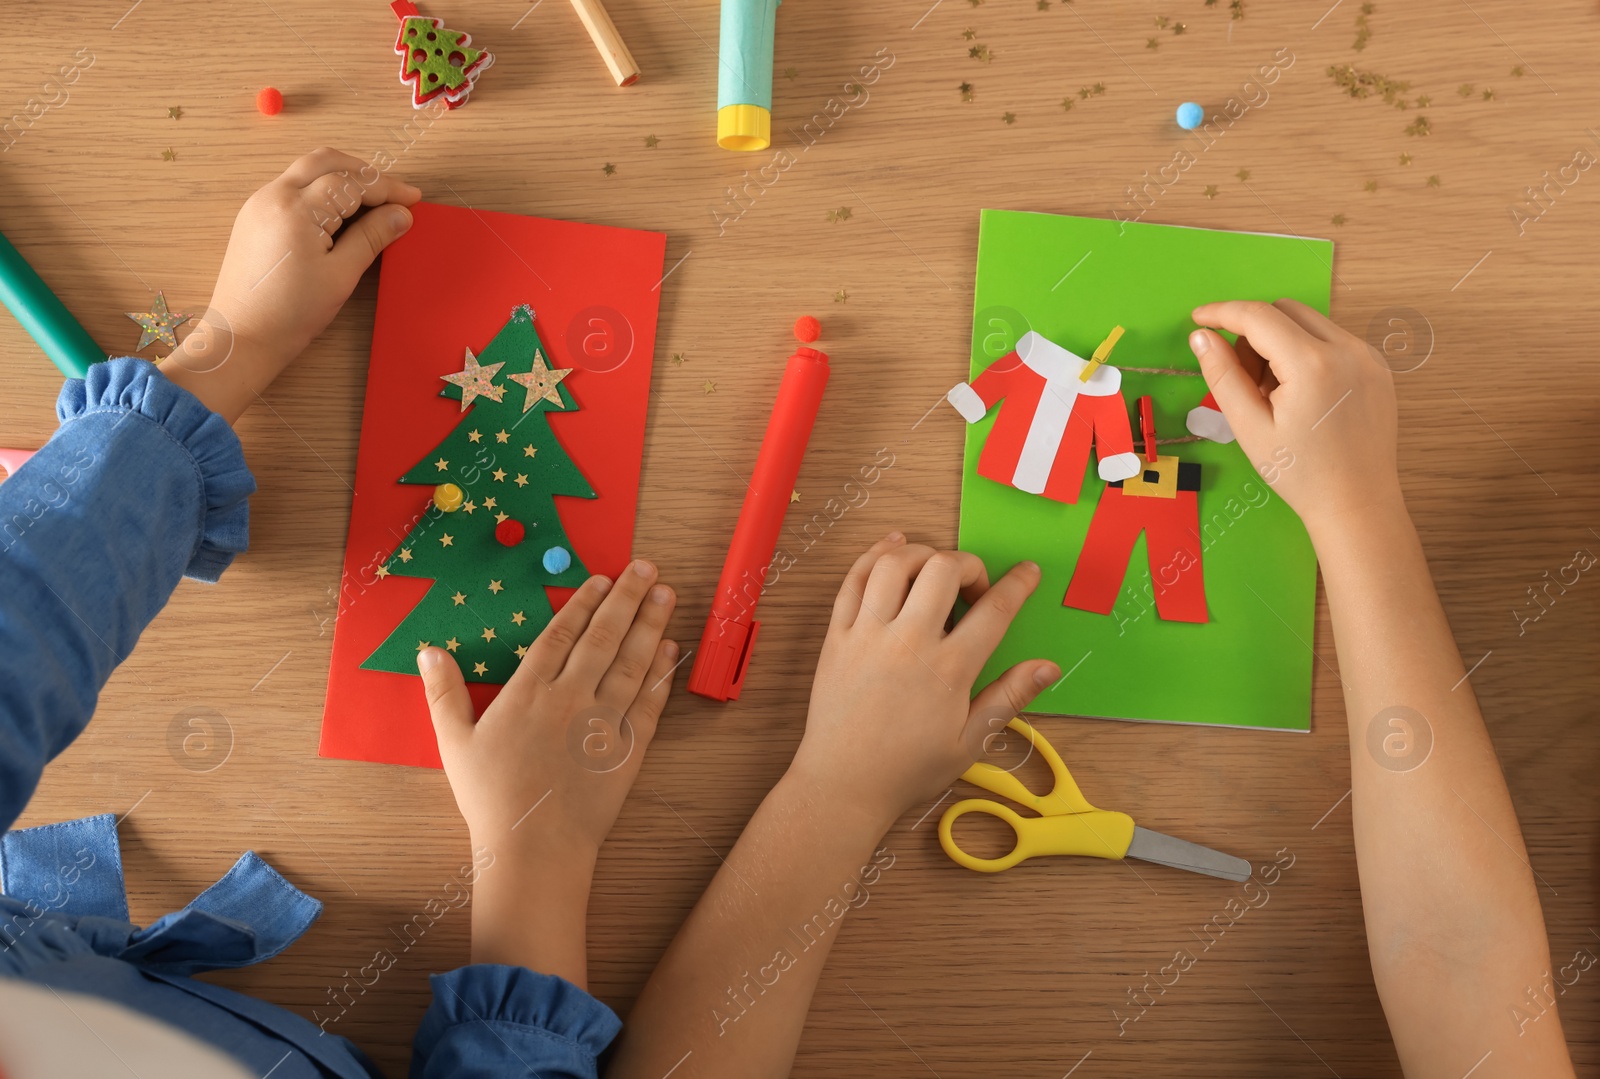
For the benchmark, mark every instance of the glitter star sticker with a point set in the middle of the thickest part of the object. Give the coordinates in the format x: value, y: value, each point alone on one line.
x: 476, y: 380
x: 480, y: 668
x: 158, y: 323
x: 541, y: 383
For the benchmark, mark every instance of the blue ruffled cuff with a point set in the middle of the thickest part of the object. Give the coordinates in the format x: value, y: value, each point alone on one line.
x: 134, y: 386
x: 493, y: 1020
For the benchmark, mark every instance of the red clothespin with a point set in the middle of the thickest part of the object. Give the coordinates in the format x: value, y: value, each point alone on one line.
x: 1147, y: 427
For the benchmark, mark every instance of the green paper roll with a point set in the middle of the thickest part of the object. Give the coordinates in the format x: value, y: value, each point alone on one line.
x: 67, y: 343
x: 744, y: 74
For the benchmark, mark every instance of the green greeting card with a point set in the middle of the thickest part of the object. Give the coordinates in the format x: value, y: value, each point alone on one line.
x: 1070, y: 280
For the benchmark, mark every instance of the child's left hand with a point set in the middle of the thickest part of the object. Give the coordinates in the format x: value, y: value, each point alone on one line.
x: 286, y: 274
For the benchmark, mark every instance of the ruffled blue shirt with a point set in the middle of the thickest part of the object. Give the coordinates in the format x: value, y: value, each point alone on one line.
x: 141, y: 486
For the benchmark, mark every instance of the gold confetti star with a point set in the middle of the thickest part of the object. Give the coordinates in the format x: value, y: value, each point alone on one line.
x: 452, y: 644
x: 480, y: 668
x: 677, y: 359
x: 421, y: 645
x: 609, y: 169
x: 650, y: 142
x: 175, y: 112
x: 1210, y: 192
x: 1338, y: 219
x: 1433, y: 181
x: 1371, y: 186
x: 446, y: 540
x: 502, y: 436
x: 980, y: 52
x: 499, y: 475
x: 522, y: 650
x: 1517, y: 71
x: 1178, y: 28
x: 1424, y: 101
x: 969, y: 33
x: 966, y: 91
x: 1488, y: 94
x: 1405, y: 159
x: 1465, y: 89
x: 490, y: 503
x: 1151, y: 43
x: 474, y: 435
x: 841, y: 296
x: 542, y: 383
x: 496, y: 587
x: 468, y: 506
x: 441, y: 464
x: 405, y: 554
x: 530, y: 450
x: 518, y: 617
x: 459, y: 599
x: 158, y: 323
x: 1041, y: 5
x: 500, y: 518
x: 488, y: 633
x: 521, y: 480
x: 383, y: 571
x: 1008, y: 118
x: 790, y: 73
x: 168, y: 154
x: 476, y: 381
x: 794, y: 496
x: 841, y: 214
x: 1419, y: 126
x: 711, y: 387
x: 1066, y: 104
x: 1243, y: 175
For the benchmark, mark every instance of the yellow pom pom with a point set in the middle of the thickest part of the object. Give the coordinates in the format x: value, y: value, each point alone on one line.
x: 448, y: 497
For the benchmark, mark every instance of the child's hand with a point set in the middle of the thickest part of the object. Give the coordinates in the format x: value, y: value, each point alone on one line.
x: 1313, y: 407
x: 569, y: 730
x: 286, y: 274
x: 891, y: 721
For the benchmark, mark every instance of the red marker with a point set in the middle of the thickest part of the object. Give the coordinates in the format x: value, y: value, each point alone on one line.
x: 724, y: 655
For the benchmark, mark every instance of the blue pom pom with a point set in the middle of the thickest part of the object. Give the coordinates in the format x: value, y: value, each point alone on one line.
x: 1190, y: 115
x: 557, y: 560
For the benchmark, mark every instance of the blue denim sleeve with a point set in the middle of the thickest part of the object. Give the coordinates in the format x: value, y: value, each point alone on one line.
x: 509, y: 1022
x: 141, y: 485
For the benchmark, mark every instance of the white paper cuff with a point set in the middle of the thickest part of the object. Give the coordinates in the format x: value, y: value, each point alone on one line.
x: 1209, y: 423
x: 1119, y: 466
x: 967, y: 402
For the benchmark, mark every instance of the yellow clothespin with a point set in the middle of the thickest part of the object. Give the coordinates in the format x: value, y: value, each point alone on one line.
x: 1101, y: 354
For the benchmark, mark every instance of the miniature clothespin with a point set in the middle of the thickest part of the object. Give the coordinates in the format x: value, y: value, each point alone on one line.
x: 1101, y: 354
x: 1147, y: 428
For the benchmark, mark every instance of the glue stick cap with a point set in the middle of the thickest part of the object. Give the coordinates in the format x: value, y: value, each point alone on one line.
x: 744, y: 127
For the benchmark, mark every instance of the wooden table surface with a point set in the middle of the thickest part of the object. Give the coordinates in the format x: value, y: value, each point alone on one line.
x: 943, y: 971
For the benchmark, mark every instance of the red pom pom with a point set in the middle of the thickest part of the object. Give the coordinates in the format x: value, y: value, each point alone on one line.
x: 269, y: 101
x: 509, y: 532
x: 807, y: 329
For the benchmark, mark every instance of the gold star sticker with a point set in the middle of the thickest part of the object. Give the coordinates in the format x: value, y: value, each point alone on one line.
x: 522, y: 650
x: 421, y: 645
x: 541, y: 383
x: 452, y: 644
x: 499, y: 475
x: 794, y: 496
x: 529, y: 450
x: 650, y: 142
x: 502, y: 436
x: 480, y: 668
x: 710, y: 387
x: 521, y: 480
x: 459, y: 599
x: 176, y: 111
x: 158, y: 323
x: 441, y: 464
x: 168, y: 154
x: 474, y: 436
x: 1210, y: 192
x: 496, y: 587
x: 518, y: 617
x: 501, y: 517
x: 476, y: 380
x: 468, y: 506
x: 489, y: 503
x: 445, y: 540
x: 383, y: 571
x: 1243, y: 175
x: 488, y: 633
x: 405, y: 554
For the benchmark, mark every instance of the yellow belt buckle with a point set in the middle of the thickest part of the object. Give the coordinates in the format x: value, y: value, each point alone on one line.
x: 1155, y: 480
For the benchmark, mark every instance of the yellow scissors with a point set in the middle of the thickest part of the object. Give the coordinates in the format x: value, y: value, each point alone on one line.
x: 1068, y: 824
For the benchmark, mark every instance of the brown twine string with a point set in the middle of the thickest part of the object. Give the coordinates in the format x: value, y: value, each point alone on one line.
x: 1158, y: 371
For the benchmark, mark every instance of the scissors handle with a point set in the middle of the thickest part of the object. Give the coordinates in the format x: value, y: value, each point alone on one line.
x: 1095, y: 833
x: 1063, y: 798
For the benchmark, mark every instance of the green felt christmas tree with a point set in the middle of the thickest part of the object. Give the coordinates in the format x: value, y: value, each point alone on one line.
x: 438, y: 60
x: 490, y: 537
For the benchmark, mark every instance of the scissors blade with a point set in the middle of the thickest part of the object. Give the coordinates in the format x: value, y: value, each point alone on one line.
x: 1148, y: 846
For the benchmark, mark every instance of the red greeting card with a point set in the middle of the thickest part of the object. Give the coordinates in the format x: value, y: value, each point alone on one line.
x: 565, y: 316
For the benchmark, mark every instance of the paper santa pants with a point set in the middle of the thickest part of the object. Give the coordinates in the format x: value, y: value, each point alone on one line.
x: 1171, y: 528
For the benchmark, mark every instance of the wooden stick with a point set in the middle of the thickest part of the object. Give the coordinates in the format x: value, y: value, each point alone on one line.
x: 604, y: 34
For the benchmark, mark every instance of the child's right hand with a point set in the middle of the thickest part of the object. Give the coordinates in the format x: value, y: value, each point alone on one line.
x: 1313, y: 406
x: 892, y: 720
